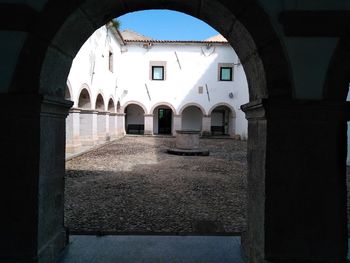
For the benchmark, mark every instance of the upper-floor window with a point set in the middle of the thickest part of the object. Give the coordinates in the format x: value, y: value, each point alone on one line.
x: 157, y: 73
x: 157, y: 70
x: 225, y: 72
x: 110, y: 61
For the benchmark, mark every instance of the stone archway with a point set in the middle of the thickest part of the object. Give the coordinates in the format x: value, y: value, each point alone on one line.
x: 192, y: 118
x: 84, y: 99
x: 223, y: 119
x: 134, y: 118
x: 136, y: 103
x: 192, y: 105
x: 111, y: 106
x: 100, y: 103
x: 244, y: 23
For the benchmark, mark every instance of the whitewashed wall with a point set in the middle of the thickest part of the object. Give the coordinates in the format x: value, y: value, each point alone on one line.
x: 130, y: 77
x: 90, y: 67
x: 199, y: 68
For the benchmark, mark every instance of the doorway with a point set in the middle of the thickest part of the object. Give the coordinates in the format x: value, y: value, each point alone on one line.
x: 218, y: 123
x: 164, y: 120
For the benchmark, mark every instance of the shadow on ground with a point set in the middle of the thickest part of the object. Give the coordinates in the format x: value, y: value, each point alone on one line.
x: 133, y: 186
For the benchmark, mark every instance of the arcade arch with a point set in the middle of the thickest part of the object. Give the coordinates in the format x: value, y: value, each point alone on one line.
x: 111, y: 106
x: 134, y: 118
x: 84, y: 99
x: 100, y: 103
x: 118, y: 107
x: 250, y: 43
x: 223, y: 120
x: 194, y: 105
x: 192, y: 117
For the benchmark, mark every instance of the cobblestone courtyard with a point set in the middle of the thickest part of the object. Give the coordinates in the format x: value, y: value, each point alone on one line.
x: 133, y: 186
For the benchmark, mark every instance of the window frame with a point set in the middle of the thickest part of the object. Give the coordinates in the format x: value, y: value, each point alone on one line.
x: 163, y: 72
x: 153, y: 64
x: 221, y: 73
x: 222, y: 66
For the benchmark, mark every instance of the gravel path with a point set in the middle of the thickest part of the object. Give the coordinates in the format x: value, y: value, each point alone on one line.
x: 134, y: 186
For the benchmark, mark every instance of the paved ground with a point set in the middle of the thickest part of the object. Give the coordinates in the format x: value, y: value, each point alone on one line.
x: 134, y: 186
x: 153, y: 249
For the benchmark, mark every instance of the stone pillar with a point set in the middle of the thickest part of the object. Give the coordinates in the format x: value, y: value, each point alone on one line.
x: 177, y: 124
x: 120, y: 124
x: 297, y: 181
x: 148, y: 124
x: 73, y: 131
x: 113, y: 128
x: 348, y: 159
x: 206, y: 125
x: 108, y: 136
x: 102, y: 126
x: 232, y: 125
x: 88, y: 127
x: 32, y: 160
x: 94, y: 115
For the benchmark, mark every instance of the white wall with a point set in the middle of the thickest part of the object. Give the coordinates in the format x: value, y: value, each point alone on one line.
x: 199, y: 68
x: 128, y: 81
x: 90, y: 67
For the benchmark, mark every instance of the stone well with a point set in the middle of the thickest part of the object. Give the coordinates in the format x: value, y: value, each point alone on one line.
x: 187, y: 143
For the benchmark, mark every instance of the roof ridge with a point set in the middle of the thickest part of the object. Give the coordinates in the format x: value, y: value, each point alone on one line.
x: 176, y: 41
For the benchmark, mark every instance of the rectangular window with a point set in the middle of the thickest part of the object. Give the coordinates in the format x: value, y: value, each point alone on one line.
x: 110, y: 61
x: 157, y: 70
x: 226, y: 73
x: 157, y: 73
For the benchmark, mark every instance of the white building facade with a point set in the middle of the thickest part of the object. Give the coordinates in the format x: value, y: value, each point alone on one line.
x: 124, y: 83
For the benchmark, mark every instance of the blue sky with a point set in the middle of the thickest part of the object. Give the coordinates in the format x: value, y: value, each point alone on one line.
x: 166, y: 25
